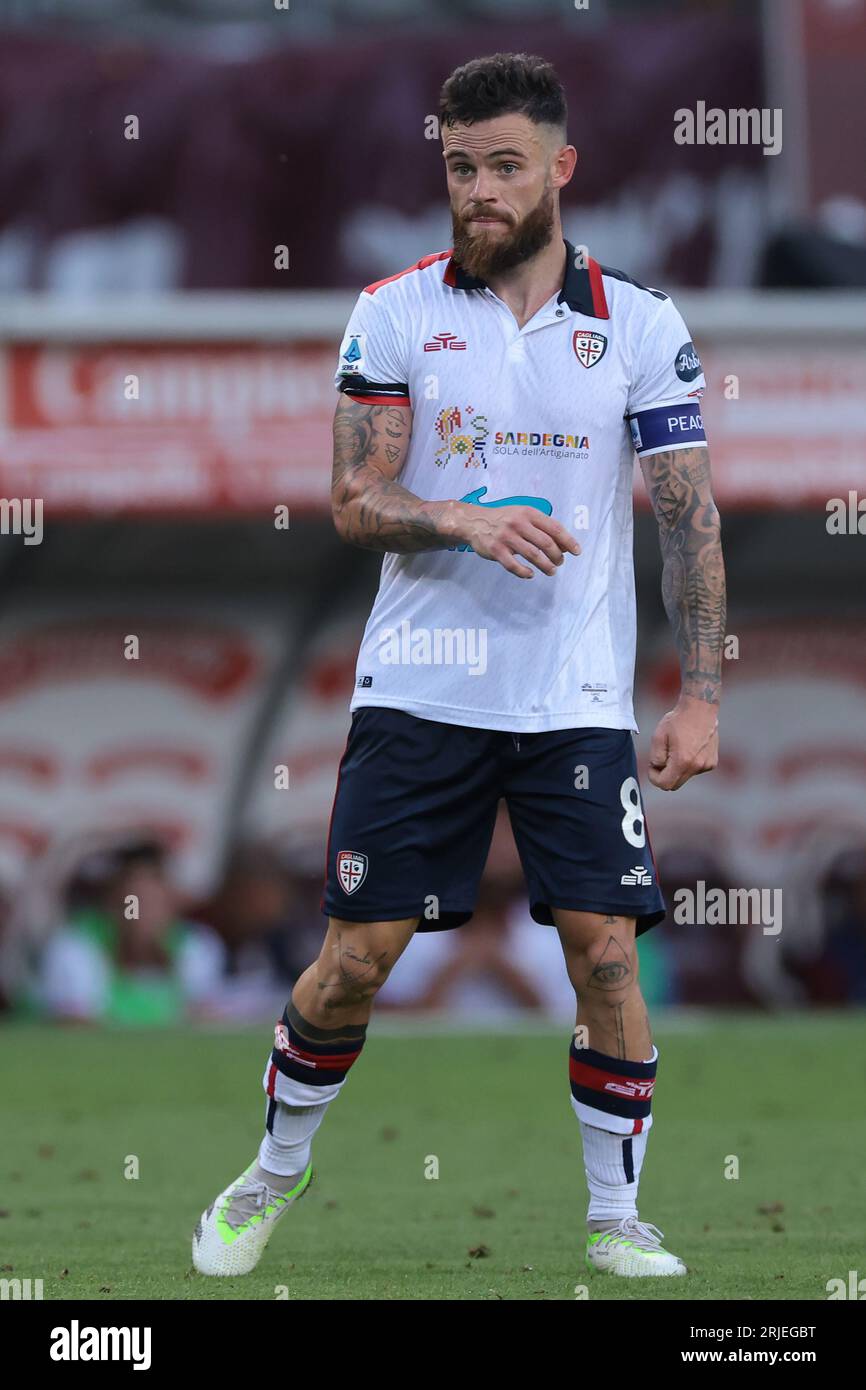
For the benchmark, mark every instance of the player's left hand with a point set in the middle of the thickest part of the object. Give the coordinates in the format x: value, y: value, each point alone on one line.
x: 686, y: 742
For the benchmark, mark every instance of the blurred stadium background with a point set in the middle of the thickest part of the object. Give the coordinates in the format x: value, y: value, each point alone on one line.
x: 156, y: 259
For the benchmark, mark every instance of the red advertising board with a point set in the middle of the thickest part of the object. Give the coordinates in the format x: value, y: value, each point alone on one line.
x: 239, y: 428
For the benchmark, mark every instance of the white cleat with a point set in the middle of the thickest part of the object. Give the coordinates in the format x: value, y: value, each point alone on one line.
x: 231, y: 1235
x: 633, y: 1249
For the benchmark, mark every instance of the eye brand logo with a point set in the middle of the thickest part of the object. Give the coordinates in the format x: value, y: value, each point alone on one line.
x: 445, y: 342
x: 463, y: 435
x: 589, y: 347
x: 631, y: 1089
x: 687, y: 364
x: 639, y: 875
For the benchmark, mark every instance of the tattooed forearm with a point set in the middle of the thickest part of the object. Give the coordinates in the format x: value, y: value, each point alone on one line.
x: 693, y: 574
x: 369, y: 507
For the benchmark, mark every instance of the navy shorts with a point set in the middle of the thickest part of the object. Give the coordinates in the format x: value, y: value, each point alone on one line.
x: 416, y: 804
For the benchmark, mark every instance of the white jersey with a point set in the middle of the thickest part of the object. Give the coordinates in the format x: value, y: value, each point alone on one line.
x: 547, y: 415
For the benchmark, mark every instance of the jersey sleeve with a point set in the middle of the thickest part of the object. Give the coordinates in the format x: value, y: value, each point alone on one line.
x: 372, y: 366
x: 664, y: 404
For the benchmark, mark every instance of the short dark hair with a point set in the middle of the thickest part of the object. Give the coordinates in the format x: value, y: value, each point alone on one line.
x: 500, y: 84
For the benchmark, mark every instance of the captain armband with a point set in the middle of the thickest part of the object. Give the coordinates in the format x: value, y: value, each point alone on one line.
x: 664, y: 427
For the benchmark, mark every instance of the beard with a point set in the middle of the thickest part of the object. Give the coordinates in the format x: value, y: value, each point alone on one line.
x: 482, y: 254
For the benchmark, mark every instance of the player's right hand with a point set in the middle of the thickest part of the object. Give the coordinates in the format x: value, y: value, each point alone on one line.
x: 509, y: 535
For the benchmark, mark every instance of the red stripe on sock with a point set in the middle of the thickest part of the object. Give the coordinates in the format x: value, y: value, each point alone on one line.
x: 329, y: 1061
x: 594, y: 1079
x: 272, y: 1080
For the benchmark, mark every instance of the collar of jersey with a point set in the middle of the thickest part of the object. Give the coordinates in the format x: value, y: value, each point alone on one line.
x: 582, y: 287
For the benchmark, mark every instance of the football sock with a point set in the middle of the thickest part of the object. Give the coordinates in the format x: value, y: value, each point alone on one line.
x: 611, y: 1099
x: 304, y: 1073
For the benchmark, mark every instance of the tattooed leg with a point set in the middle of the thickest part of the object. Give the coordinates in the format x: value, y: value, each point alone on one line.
x: 601, y: 958
x: 612, y: 1076
x: 355, y: 961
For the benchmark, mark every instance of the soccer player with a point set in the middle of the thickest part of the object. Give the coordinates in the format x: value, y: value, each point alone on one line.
x: 491, y: 399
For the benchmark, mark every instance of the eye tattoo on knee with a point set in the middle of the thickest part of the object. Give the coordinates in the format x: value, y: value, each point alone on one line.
x: 613, y: 969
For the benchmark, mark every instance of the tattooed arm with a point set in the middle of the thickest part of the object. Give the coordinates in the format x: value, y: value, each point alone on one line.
x: 693, y: 588
x: 372, y: 510
x: 369, y: 507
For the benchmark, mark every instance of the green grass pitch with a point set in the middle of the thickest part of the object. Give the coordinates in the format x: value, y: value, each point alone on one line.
x: 504, y: 1218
